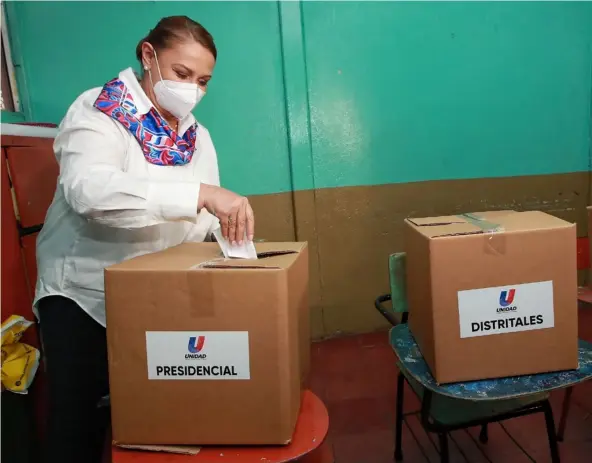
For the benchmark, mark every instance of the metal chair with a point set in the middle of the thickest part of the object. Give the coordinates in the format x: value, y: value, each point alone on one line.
x: 445, y: 408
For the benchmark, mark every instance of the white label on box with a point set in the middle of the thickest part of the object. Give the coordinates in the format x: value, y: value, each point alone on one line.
x: 506, y: 309
x: 195, y: 355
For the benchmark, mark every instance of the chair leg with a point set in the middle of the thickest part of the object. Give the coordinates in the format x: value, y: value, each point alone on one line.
x: 564, y: 412
x: 444, y: 456
x: 483, y: 435
x: 399, y: 418
x: 551, y: 433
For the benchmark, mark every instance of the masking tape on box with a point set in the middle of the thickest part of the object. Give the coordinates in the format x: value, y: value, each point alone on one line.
x: 495, y: 240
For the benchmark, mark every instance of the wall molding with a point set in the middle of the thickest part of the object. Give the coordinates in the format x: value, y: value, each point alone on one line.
x: 12, y: 25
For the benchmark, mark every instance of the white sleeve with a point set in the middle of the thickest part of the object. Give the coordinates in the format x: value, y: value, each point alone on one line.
x: 91, y: 152
x: 204, y: 228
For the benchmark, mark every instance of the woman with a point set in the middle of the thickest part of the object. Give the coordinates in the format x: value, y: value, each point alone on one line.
x: 137, y: 175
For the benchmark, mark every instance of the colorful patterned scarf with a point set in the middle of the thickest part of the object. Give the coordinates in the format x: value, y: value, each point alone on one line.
x: 160, y: 144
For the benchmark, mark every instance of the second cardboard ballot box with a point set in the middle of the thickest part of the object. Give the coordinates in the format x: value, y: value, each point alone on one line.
x: 205, y: 350
x: 493, y: 294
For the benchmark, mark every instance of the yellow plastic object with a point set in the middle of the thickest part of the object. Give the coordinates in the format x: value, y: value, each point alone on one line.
x: 19, y: 361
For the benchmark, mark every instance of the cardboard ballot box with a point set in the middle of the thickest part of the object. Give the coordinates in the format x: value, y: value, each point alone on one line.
x: 493, y: 294
x: 206, y: 350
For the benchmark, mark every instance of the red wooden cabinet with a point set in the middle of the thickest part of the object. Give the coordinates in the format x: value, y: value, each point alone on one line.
x: 29, y: 174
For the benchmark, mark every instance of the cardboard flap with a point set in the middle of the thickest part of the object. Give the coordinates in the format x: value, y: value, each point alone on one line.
x: 192, y: 256
x: 269, y: 256
x: 487, y: 222
x: 265, y: 260
x: 436, y: 221
x: 454, y: 229
x: 177, y: 258
x: 532, y: 220
x: 460, y: 219
x: 451, y: 225
x: 458, y: 225
x: 177, y: 449
x: 490, y: 215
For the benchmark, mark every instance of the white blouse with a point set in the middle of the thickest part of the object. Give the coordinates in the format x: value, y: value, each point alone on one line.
x: 111, y: 204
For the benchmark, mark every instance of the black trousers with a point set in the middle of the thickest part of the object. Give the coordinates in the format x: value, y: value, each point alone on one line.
x: 75, y: 351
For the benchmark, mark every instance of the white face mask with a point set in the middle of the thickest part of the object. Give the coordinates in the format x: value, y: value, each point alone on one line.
x: 178, y: 98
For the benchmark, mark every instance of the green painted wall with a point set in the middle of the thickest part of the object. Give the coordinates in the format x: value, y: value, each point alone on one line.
x: 11, y: 118
x: 328, y: 94
x: 403, y: 92
x: 64, y: 53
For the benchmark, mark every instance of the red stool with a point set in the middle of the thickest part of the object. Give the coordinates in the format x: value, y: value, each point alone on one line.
x: 309, y: 444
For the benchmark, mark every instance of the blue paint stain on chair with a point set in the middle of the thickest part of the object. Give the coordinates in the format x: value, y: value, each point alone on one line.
x: 476, y: 403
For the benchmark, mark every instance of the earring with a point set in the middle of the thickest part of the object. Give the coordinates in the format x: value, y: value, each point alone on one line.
x: 145, y: 68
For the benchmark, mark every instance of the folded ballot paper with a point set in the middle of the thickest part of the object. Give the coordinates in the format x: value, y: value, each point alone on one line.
x: 238, y: 251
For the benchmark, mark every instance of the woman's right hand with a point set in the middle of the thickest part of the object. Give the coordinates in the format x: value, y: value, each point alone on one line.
x: 234, y: 212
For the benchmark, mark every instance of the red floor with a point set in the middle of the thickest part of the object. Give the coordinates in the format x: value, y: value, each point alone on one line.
x: 356, y: 378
